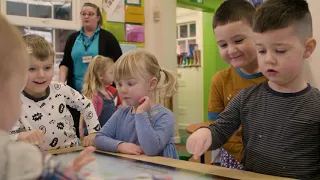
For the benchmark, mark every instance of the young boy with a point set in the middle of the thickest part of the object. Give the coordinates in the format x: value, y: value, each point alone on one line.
x: 45, y: 120
x: 280, y: 118
x: 232, y: 26
x: 18, y: 160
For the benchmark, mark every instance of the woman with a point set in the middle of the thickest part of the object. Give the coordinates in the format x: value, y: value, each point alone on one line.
x: 82, y: 46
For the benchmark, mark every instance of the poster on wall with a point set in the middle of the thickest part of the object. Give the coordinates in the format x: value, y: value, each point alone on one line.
x: 257, y: 3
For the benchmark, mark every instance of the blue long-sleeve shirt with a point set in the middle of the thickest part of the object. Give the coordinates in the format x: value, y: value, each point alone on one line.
x: 153, y: 131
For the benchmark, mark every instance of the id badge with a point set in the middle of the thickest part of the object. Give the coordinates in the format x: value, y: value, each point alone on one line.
x: 86, y: 59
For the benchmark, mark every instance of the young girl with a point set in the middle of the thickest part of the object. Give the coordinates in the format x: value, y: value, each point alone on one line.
x: 144, y: 127
x: 97, y: 87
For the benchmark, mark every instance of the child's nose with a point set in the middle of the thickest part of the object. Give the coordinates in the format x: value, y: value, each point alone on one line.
x: 41, y: 73
x: 124, y: 90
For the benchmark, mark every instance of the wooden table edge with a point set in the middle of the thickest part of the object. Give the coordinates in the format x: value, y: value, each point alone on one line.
x: 187, y: 165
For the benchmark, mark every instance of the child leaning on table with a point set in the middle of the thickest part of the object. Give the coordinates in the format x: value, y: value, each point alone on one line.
x: 19, y: 160
x: 280, y: 118
x: 144, y: 126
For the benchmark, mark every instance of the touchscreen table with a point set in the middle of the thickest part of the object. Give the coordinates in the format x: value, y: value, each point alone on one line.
x: 109, y: 166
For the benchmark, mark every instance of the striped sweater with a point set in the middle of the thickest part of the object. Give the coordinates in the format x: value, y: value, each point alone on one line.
x: 280, y: 130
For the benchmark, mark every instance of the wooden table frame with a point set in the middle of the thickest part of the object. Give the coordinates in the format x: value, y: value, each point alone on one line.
x: 187, y: 165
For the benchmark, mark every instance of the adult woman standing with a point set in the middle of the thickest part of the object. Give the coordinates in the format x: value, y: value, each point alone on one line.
x: 82, y: 46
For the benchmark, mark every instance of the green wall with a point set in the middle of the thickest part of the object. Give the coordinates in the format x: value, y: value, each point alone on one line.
x: 207, y: 6
x: 212, y: 62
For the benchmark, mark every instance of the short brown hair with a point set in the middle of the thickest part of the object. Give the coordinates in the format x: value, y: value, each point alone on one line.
x: 11, y: 49
x: 233, y: 11
x: 98, y: 11
x: 278, y: 14
x: 38, y: 47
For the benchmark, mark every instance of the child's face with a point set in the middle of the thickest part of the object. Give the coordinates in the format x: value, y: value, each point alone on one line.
x: 281, y: 55
x: 132, y: 90
x: 236, y: 43
x: 107, y: 78
x: 40, y: 74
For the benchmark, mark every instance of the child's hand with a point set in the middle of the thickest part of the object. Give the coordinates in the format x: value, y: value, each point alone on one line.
x: 89, y: 140
x: 129, y: 148
x: 84, y: 158
x: 199, y: 142
x: 32, y: 137
x: 145, y: 105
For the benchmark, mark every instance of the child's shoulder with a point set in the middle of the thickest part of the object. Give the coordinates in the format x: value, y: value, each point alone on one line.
x: 58, y: 86
x: 225, y: 72
x: 159, y: 109
x: 225, y: 75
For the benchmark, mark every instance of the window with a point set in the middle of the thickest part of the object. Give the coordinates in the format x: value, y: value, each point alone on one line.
x: 186, y: 38
x: 57, y: 38
x: 54, y: 20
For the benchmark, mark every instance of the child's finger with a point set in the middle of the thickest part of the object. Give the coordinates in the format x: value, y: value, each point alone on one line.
x: 32, y: 139
x: 199, y: 147
x: 86, y: 174
x: 83, y: 162
x: 39, y: 136
x: 82, y: 158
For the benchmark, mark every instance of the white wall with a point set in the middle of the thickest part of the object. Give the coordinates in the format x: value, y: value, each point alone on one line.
x: 190, y: 96
x: 313, y: 64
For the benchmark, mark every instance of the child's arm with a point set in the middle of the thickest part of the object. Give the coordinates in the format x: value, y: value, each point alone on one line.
x: 16, y: 130
x: 154, y: 139
x: 81, y: 127
x: 219, y: 132
x: 77, y: 101
x: 105, y: 137
x: 215, y: 103
x: 98, y: 105
x: 56, y: 170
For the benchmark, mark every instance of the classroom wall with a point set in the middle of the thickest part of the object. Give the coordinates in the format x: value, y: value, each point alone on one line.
x: 312, y: 65
x: 212, y: 62
x: 190, y: 96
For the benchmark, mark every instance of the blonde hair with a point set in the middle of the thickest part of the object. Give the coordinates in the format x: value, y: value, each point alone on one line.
x: 92, y: 83
x: 139, y: 63
x: 12, y: 50
x: 38, y: 47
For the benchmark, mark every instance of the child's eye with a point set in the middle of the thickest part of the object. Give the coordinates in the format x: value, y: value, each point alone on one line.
x: 223, y: 45
x: 47, y: 68
x: 32, y: 69
x: 238, y: 41
x: 280, y: 51
x: 262, y: 51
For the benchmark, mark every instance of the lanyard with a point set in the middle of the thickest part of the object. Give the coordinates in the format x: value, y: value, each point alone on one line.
x: 86, y: 46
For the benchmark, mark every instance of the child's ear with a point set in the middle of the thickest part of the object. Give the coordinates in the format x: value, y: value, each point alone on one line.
x: 153, y: 83
x: 310, y: 46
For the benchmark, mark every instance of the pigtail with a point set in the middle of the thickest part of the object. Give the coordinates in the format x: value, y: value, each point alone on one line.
x: 169, y: 85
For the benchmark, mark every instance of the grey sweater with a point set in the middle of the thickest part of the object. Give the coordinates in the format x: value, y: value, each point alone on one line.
x: 18, y: 160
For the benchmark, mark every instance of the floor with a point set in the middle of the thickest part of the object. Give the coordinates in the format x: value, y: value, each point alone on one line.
x: 181, y: 147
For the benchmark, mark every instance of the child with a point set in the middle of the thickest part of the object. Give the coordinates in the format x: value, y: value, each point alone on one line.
x: 97, y: 87
x: 234, y: 36
x: 45, y: 120
x: 18, y: 160
x: 144, y: 127
x: 280, y: 118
